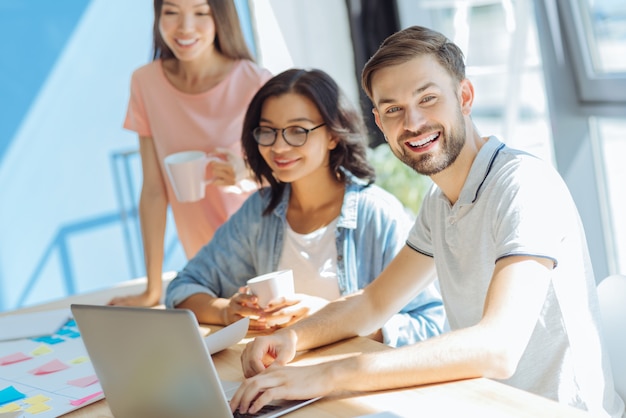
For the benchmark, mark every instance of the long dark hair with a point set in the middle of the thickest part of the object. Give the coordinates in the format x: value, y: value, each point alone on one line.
x: 229, y: 39
x: 340, y: 117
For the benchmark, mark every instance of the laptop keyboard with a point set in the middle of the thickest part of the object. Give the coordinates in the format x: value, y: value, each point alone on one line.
x: 265, y: 410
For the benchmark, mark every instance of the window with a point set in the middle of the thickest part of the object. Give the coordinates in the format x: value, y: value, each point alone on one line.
x: 597, y: 41
x: 584, y: 57
x: 609, y: 135
x: 606, y: 34
x: 503, y: 61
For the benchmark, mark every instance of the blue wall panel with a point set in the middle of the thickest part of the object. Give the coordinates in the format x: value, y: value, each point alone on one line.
x: 34, y: 33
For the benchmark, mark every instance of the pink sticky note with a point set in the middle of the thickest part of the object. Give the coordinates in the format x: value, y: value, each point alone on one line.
x: 50, y: 367
x: 79, y: 402
x: 83, y: 382
x: 13, y: 358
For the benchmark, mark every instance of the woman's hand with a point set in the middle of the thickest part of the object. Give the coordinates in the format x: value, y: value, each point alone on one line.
x: 243, y: 304
x: 223, y: 173
x: 284, y: 312
x: 228, y: 168
x: 145, y: 299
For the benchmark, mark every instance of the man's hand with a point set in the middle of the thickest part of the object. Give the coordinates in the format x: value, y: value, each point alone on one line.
x: 259, y: 354
x: 280, y: 382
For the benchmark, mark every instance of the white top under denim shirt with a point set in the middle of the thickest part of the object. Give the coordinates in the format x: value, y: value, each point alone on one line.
x: 371, y: 229
x: 313, y: 259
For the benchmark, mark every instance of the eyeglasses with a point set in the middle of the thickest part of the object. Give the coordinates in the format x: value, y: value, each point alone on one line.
x: 295, y: 136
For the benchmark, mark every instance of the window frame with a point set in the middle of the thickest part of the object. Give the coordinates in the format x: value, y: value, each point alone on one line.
x: 592, y: 87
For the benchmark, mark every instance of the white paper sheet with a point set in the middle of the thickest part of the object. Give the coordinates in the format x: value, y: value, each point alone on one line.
x: 32, y: 324
x: 227, y: 336
x: 65, y: 361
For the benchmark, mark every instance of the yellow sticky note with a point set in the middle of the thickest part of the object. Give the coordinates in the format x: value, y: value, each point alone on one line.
x: 10, y: 407
x: 38, y: 408
x: 41, y: 350
x: 36, y: 399
x: 79, y: 360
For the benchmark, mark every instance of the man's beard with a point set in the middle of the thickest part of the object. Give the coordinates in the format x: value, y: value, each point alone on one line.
x: 427, y: 164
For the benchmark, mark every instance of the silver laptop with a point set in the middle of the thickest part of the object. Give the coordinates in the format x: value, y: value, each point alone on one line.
x: 154, y: 363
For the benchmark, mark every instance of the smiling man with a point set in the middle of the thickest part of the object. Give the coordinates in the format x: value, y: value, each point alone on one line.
x: 500, y: 230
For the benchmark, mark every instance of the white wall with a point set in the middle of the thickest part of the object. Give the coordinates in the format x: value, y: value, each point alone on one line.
x: 306, y: 34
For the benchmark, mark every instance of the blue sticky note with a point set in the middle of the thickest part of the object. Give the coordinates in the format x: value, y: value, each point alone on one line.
x: 49, y: 340
x: 10, y: 394
x: 68, y: 332
x: 65, y: 331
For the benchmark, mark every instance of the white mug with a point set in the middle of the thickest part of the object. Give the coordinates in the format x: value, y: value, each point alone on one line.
x: 270, y: 286
x: 186, y: 171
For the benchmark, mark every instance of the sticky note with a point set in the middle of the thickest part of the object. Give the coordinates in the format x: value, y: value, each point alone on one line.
x: 41, y: 350
x: 79, y: 360
x: 36, y: 399
x: 83, y: 382
x: 81, y: 401
x: 11, y: 407
x: 49, y: 340
x: 68, y: 332
x: 50, y: 367
x: 10, y: 394
x: 38, y: 408
x: 13, y: 358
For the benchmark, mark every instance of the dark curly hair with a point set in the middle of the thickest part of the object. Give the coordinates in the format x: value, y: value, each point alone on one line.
x: 340, y: 117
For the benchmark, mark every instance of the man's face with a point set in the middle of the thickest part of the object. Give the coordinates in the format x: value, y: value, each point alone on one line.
x: 418, y: 106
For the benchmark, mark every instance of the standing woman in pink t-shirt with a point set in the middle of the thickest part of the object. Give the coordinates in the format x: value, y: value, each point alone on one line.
x: 192, y: 96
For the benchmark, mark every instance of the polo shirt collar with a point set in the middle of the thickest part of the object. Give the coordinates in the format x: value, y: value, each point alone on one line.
x: 480, y: 170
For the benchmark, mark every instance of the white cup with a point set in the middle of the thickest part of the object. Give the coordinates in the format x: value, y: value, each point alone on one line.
x: 186, y: 171
x: 270, y: 286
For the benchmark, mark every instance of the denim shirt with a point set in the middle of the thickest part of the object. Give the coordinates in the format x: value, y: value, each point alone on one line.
x: 371, y: 229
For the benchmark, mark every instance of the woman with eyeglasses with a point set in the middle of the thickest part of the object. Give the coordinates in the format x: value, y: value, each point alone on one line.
x: 320, y: 215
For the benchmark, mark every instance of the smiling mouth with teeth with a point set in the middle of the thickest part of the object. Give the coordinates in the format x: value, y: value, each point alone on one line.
x: 185, y: 42
x: 424, y: 142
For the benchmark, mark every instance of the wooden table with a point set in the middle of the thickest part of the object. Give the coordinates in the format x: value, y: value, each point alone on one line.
x: 473, y: 397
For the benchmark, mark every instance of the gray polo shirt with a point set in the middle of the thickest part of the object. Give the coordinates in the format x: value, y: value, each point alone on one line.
x: 512, y: 203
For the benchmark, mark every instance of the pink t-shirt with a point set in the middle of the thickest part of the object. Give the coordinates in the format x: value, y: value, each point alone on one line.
x: 180, y: 121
